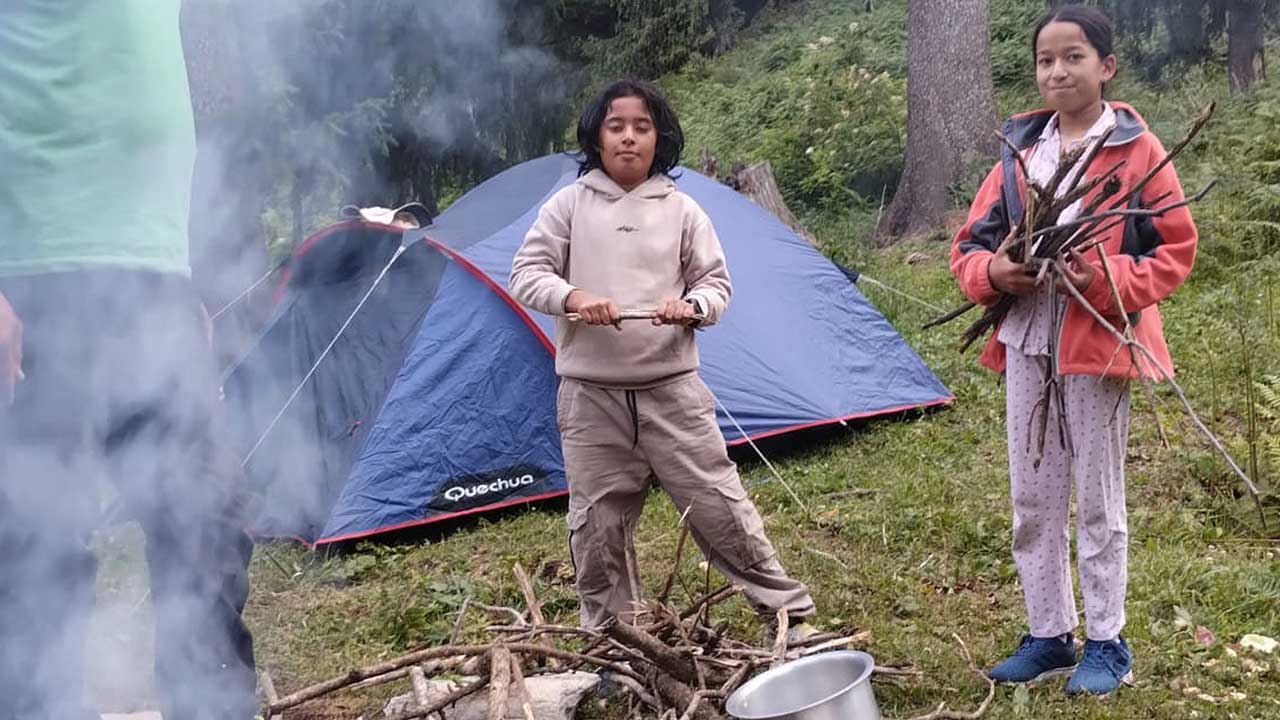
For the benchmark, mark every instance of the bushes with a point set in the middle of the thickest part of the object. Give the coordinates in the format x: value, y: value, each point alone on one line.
x: 811, y: 103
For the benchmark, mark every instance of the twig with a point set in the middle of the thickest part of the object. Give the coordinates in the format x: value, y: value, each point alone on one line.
x: 521, y: 688
x: 499, y: 682
x: 681, y: 696
x: 828, y: 556
x: 1167, y: 375
x: 943, y: 319
x: 942, y: 713
x: 698, y: 697
x: 268, y: 690
x: 531, y: 599
x: 891, y: 672
x: 419, y: 681
x: 780, y: 637
x: 668, y: 659
x: 712, y: 598
x: 457, y: 624
x: 1133, y: 354
x: 1022, y: 162
x: 637, y: 689
x: 1136, y: 212
x: 516, y: 615
x: 675, y: 566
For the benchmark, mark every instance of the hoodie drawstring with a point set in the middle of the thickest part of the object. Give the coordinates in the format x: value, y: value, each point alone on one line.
x: 635, y: 418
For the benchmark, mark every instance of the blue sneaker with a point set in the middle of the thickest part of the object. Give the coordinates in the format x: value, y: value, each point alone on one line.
x: 1103, y: 668
x: 1036, y: 659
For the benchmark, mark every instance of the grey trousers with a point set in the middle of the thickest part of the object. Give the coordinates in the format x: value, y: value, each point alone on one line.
x: 616, y: 444
x: 1097, y: 417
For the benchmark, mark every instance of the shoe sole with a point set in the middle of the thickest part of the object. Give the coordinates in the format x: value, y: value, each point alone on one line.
x: 1046, y: 675
x: 1127, y: 681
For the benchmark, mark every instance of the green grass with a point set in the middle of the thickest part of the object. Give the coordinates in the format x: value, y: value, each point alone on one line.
x: 918, y: 553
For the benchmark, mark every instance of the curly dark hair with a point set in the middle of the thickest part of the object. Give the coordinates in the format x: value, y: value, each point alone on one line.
x: 670, y: 142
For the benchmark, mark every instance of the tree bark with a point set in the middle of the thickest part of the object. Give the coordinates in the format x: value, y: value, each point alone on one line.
x: 1245, y: 43
x: 229, y: 186
x: 951, y: 112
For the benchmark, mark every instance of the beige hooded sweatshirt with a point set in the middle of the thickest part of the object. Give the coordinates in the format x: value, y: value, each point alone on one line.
x: 638, y: 248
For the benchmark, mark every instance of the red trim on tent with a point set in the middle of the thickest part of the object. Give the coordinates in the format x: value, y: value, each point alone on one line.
x: 449, y: 252
x: 501, y: 291
x: 316, y: 237
x: 546, y: 342
x: 548, y: 496
x: 832, y: 421
x: 438, y: 518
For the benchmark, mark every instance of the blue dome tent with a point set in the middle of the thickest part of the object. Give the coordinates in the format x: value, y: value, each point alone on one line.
x: 438, y: 399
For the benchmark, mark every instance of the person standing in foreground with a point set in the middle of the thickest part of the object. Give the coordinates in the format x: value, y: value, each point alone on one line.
x: 1048, y: 335
x: 631, y: 407
x: 106, y: 375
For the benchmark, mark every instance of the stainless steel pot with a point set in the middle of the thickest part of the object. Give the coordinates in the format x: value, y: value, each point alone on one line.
x: 826, y: 686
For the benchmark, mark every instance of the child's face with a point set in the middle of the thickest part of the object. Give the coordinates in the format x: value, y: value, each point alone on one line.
x: 1069, y: 72
x: 627, y: 141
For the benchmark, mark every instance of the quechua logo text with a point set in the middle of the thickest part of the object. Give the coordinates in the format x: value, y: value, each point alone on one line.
x: 471, y: 491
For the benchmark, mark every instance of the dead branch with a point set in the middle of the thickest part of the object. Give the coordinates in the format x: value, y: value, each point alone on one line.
x: 681, y: 697
x: 710, y: 599
x: 1133, y: 354
x: 780, y: 637
x: 669, y: 660
x: 675, y: 565
x: 516, y: 616
x: 499, y: 682
x: 531, y: 599
x: 268, y: 690
x: 638, y: 690
x: 457, y: 624
x: 1136, y: 212
x: 1022, y: 162
x: 944, y: 319
x: 691, y: 711
x: 419, y: 681
x: 521, y: 688
x: 1167, y: 375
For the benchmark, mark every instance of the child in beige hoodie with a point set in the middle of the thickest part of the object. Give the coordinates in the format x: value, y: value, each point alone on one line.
x: 631, y: 407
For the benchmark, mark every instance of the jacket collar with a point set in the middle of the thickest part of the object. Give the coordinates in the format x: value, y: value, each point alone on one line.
x: 1025, y: 129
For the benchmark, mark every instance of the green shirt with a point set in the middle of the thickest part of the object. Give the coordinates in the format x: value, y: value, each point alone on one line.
x: 97, y: 137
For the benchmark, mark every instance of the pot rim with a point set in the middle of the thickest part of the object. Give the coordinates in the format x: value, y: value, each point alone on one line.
x: 760, y: 679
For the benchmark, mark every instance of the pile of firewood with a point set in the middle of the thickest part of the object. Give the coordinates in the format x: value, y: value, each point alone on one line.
x: 671, y: 663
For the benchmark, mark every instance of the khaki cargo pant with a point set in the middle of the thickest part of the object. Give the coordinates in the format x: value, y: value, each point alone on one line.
x: 616, y: 444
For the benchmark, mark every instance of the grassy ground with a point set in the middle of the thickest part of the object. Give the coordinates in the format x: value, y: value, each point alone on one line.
x: 909, y: 539
x: 910, y: 524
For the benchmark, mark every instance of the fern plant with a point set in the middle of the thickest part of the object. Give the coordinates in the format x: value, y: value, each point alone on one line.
x: 1268, y: 395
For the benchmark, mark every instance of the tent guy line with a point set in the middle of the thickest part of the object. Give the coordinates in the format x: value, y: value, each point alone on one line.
x: 325, y: 353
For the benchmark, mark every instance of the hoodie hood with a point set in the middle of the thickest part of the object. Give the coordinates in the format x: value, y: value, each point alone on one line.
x: 657, y: 187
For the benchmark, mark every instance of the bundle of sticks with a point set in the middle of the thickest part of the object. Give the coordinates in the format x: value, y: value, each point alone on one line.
x: 1042, y: 243
x: 1045, y: 244
x: 674, y: 664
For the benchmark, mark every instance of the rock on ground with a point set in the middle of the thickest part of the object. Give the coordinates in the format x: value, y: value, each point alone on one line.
x: 555, y: 697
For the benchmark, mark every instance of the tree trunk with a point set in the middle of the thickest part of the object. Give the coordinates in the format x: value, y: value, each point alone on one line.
x: 1245, y: 27
x: 229, y: 185
x: 758, y: 183
x: 951, y: 112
